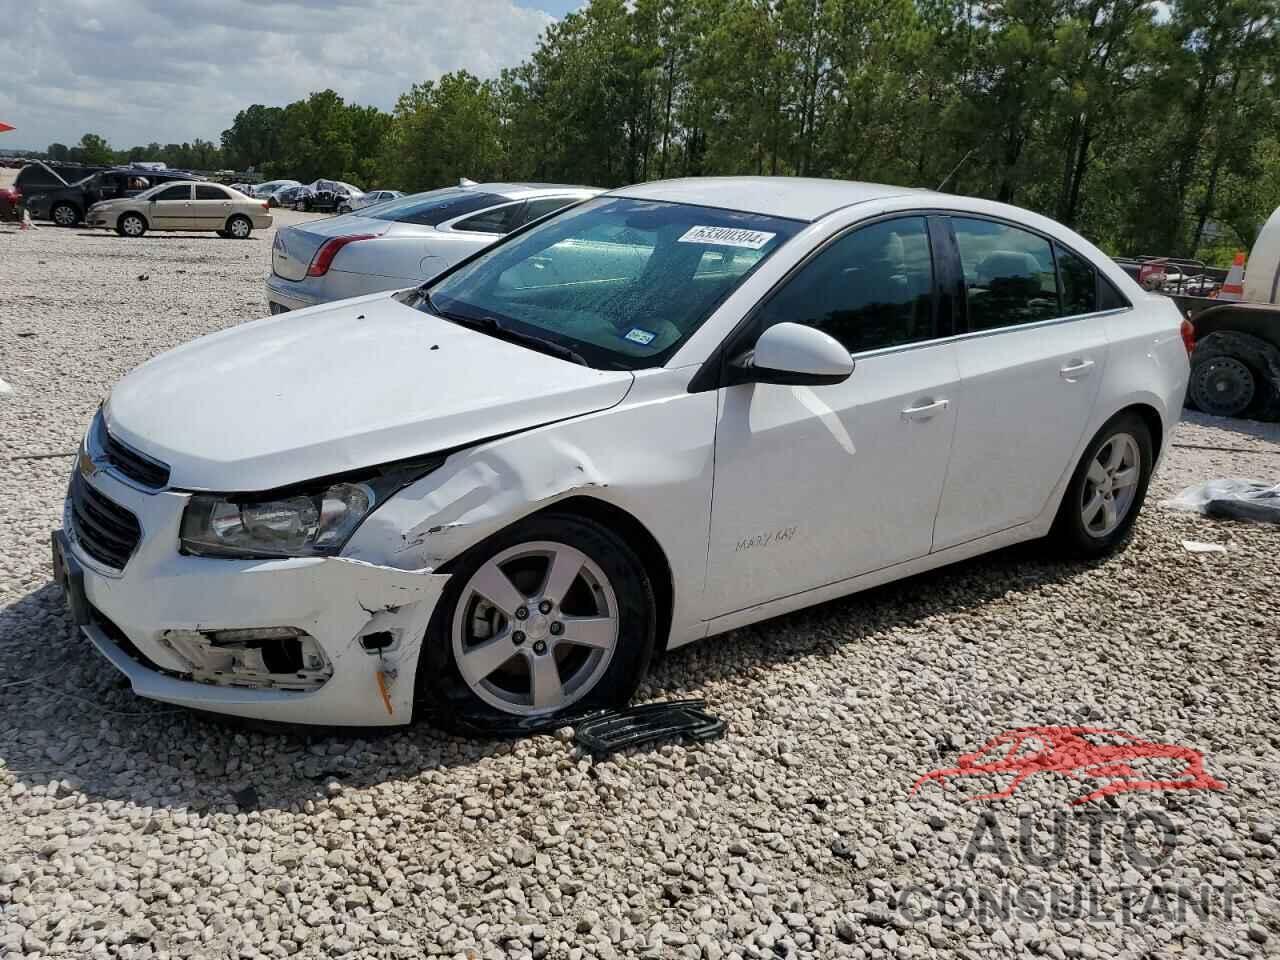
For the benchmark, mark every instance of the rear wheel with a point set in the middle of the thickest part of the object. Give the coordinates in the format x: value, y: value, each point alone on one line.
x: 1107, y: 490
x: 65, y: 215
x: 554, y: 613
x: 131, y: 225
x: 239, y: 227
x: 1233, y: 374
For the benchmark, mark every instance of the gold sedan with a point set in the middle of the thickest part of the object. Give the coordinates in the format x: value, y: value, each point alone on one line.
x: 183, y: 206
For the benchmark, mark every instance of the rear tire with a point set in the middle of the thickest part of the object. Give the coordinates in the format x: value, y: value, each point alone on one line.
x: 1107, y: 490
x: 540, y: 664
x: 1234, y: 375
x: 239, y: 228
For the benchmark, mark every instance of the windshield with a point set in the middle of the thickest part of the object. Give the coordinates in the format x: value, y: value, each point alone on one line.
x: 435, y: 206
x: 621, y: 282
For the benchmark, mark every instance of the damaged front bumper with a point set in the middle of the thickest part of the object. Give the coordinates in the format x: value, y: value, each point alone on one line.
x: 323, y: 640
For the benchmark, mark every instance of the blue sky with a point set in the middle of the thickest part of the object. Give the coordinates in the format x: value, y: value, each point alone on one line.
x: 557, y: 8
x: 135, y: 71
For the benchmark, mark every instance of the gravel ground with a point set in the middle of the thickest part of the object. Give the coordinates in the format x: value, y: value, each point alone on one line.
x: 131, y: 829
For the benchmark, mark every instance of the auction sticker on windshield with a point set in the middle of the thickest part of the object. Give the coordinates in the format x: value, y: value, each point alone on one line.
x: 728, y: 237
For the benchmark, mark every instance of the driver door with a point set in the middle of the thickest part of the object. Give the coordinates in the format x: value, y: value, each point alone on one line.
x: 817, y: 484
x: 170, y: 209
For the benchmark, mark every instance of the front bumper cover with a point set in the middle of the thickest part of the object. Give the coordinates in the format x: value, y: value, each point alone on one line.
x: 337, y: 601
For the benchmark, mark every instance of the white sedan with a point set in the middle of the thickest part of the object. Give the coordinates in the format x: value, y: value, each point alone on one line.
x: 664, y: 413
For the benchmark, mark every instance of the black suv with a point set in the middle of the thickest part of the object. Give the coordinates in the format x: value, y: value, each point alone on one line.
x: 66, y: 205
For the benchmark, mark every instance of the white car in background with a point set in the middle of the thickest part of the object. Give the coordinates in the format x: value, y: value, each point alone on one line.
x: 670, y: 411
x: 369, y: 199
x: 403, y: 242
x: 263, y: 191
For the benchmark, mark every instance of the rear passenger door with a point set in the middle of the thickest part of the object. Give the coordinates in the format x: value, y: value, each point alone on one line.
x: 211, y: 207
x: 1031, y: 356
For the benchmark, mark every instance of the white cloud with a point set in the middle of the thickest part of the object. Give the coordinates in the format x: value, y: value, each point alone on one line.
x: 173, y: 70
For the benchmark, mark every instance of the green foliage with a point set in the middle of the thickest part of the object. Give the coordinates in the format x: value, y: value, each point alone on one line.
x: 1149, y: 126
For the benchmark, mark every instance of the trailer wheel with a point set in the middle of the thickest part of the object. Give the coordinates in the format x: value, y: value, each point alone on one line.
x: 1235, y: 374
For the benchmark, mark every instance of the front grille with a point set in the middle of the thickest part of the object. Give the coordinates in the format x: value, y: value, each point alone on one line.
x: 105, y: 530
x: 134, y: 465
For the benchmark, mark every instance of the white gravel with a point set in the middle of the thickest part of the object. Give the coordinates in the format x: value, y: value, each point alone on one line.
x: 130, y: 829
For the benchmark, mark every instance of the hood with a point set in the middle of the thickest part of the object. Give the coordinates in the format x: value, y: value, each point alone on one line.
x: 339, y: 387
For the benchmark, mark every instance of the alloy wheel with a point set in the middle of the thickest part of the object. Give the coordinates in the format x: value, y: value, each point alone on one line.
x: 64, y: 216
x: 239, y: 229
x: 1111, y: 485
x: 535, y: 628
x: 132, y: 226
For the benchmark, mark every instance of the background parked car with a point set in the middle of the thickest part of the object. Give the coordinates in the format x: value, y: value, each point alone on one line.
x: 66, y: 205
x: 286, y: 196
x: 329, y: 195
x: 263, y: 191
x: 403, y: 242
x: 183, y: 206
x: 38, y: 177
x: 369, y: 199
x: 302, y: 199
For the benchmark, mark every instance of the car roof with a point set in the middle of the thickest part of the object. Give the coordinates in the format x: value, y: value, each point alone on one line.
x: 796, y: 198
x: 523, y: 191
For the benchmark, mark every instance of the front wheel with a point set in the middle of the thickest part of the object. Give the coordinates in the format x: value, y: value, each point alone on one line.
x: 131, y: 225
x: 554, y: 612
x: 65, y: 215
x: 1107, y: 490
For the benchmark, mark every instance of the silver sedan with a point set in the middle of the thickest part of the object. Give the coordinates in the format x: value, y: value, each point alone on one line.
x: 401, y: 243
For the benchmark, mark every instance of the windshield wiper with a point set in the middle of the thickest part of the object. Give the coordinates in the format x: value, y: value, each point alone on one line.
x: 494, y: 327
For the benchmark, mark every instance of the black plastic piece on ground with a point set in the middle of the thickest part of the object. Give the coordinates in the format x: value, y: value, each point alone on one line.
x: 614, y: 730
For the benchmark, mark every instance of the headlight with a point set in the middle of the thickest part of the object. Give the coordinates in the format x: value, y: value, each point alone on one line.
x: 302, y: 522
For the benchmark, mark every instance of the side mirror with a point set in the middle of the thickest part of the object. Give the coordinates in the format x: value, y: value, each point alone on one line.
x: 791, y: 353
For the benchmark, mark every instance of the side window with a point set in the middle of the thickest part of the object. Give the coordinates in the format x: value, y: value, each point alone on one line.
x: 497, y: 220
x: 1079, y: 283
x: 182, y: 192
x: 871, y: 288
x: 204, y: 192
x: 1008, y: 274
x: 1109, y: 298
x: 535, y: 209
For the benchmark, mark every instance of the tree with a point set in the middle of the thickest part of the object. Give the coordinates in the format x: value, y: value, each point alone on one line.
x: 95, y: 150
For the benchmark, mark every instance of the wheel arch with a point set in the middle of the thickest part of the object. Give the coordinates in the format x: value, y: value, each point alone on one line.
x: 1151, y: 417
x: 638, y: 538
x: 1258, y: 320
x: 132, y: 213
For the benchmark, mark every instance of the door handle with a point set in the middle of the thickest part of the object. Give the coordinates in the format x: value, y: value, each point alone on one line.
x: 925, y: 411
x: 1076, y: 370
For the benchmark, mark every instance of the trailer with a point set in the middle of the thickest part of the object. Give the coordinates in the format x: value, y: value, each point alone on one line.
x: 1235, y: 369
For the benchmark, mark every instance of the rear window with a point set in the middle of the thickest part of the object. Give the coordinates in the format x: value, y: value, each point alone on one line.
x: 435, y: 206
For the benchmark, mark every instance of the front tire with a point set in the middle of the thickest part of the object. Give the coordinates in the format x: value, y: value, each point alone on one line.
x: 131, y: 225
x: 1107, y: 490
x: 554, y: 613
x: 65, y: 215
